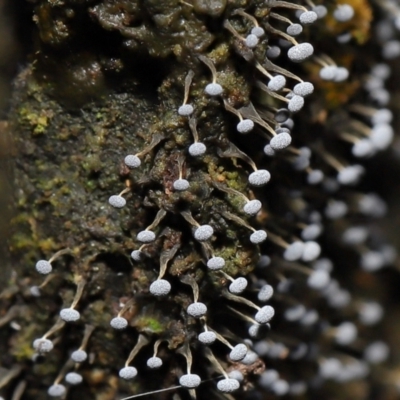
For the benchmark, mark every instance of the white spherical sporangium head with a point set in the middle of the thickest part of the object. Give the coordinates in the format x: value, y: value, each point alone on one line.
x: 258, y: 237
x: 300, y: 52
x: 318, y: 279
x: 273, y: 52
x: 320, y: 10
x: 238, y: 285
x: 117, y: 201
x: 363, y: 148
x: 280, y: 141
x: 294, y: 29
x: 311, y: 232
x: 213, y: 89
x: 238, y: 352
x: 308, y: 17
x: 203, y: 233
x: 146, y: 236
x: 160, y: 287
x: 185, y: 110
x: 258, y: 31
x: 252, y: 207
x: 264, y: 315
x: 207, y: 337
x: 190, y: 381
x: 132, y: 161
x: 79, y: 356
x: 277, y: 83
x: 370, y: 313
x: 345, y: 333
x: 69, y: 315
x: 265, y: 293
x: 269, y: 151
x: 251, y: 41
x: 245, y: 126
x: 259, y: 178
x: 294, y: 251
x: 181, y: 185
x: 43, y: 267
x: 311, y: 251
x: 127, y: 373
x: 343, y: 12
x: 236, y: 374
x: 341, y: 75
x: 137, y: 255
x: 303, y: 89
x: 228, y: 385
x: 197, y: 310
x: 296, y: 103
x: 43, y: 345
x: 328, y: 72
x: 215, y: 263
x: 73, y: 378
x: 376, y: 352
x: 119, y: 323
x: 197, y: 149
x: 56, y: 390
x: 154, y: 362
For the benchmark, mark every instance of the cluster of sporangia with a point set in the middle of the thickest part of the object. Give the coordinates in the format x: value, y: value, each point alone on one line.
x: 295, y: 258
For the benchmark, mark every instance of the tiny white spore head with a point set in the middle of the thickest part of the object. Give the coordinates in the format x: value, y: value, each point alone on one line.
x: 252, y: 207
x: 300, y: 52
x: 228, y: 385
x: 259, y: 178
x: 137, y: 255
x: 251, y: 41
x: 215, y: 263
x: 265, y: 293
x: 190, y: 381
x: 277, y: 83
x: 73, y: 378
x: 207, y: 337
x: 160, y: 287
x: 294, y: 29
x: 56, y: 390
x: 132, y: 161
x: 238, y: 352
x: 294, y: 251
x: 119, y: 323
x: 185, y: 110
x: 303, y: 89
x: 43, y: 267
x: 154, y: 362
x: 79, y: 356
x: 117, y: 201
x: 238, y: 285
x: 280, y: 141
x: 127, y: 373
x: 258, y: 237
x: 343, y: 12
x: 146, y: 236
x: 181, y: 185
x: 43, y: 345
x: 203, y: 233
x: 197, y: 149
x: 258, y: 31
x: 213, y: 89
x: 311, y: 251
x: 69, y: 315
x: 296, y: 103
x: 245, y: 126
x: 264, y: 315
x: 308, y: 17
x: 197, y: 310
